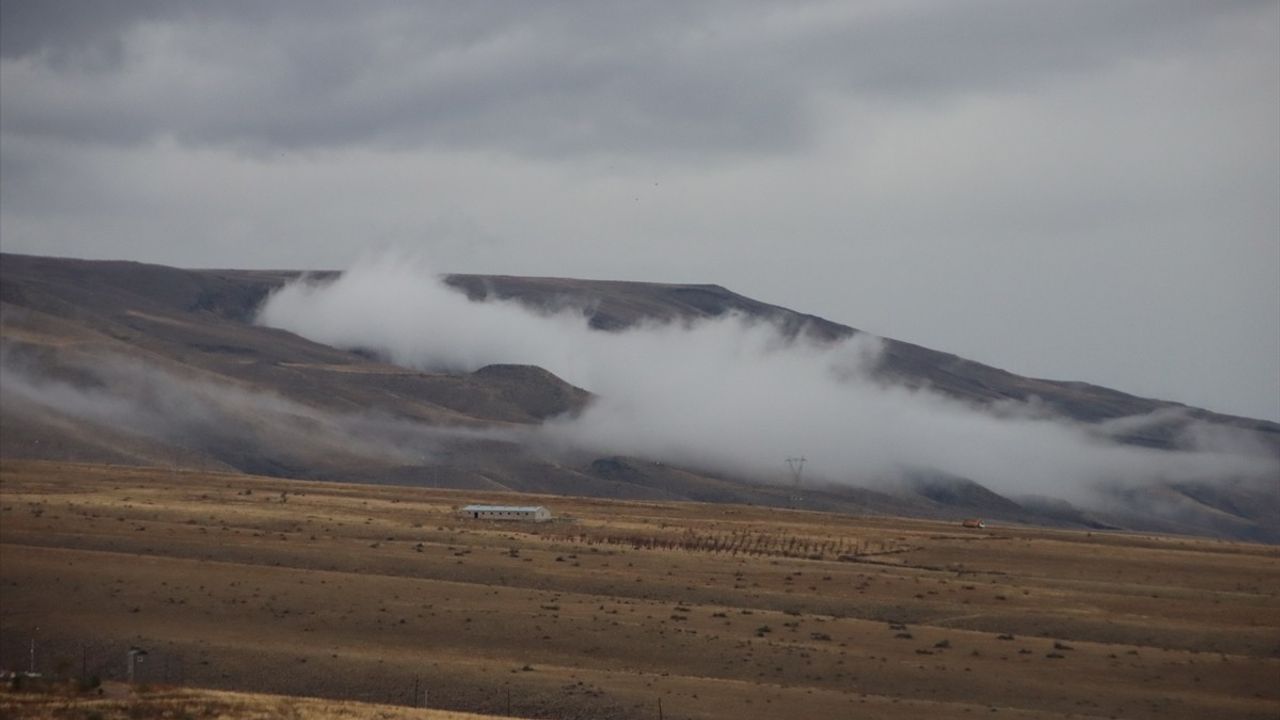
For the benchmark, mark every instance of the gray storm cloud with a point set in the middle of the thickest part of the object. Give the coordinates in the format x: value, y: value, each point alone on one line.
x: 737, y: 396
x: 507, y: 75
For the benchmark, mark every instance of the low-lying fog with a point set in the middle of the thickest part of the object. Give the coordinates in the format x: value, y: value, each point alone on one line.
x: 215, y: 419
x: 738, y: 396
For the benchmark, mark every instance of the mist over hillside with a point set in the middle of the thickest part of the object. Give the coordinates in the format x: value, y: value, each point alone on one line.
x: 389, y: 373
x: 738, y: 393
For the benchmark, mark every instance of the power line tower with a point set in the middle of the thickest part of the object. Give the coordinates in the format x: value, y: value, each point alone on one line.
x: 796, y: 466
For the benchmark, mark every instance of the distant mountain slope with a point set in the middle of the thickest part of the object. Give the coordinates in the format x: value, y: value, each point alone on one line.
x: 125, y: 362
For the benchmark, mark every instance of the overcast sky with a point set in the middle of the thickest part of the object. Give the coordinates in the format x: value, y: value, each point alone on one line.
x: 1076, y: 190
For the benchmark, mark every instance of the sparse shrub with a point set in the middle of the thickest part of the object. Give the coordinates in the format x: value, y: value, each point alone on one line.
x: 90, y: 683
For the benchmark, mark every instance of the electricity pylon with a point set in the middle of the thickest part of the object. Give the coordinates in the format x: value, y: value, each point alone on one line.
x: 796, y: 466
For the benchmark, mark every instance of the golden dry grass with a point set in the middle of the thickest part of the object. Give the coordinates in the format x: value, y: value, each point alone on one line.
x: 198, y: 704
x: 358, y: 592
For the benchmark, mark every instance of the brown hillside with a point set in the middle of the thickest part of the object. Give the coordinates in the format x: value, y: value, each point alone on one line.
x: 302, y: 409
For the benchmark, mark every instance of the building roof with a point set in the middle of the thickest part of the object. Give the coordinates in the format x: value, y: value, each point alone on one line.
x: 503, y: 508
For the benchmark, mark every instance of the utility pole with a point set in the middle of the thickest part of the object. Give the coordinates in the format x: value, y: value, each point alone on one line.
x: 32, y: 668
x: 796, y: 466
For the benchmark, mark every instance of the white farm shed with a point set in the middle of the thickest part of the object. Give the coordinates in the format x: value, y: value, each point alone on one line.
x: 528, y: 513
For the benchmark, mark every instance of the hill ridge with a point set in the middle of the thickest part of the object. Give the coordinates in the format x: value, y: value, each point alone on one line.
x: 65, y: 320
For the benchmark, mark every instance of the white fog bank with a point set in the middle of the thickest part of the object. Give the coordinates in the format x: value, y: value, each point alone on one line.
x: 734, y: 395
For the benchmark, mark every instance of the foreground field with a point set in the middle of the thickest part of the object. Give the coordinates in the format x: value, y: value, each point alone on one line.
x: 198, y: 704
x: 370, y: 592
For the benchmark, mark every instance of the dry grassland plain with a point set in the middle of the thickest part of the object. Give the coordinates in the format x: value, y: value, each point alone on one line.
x: 365, y: 592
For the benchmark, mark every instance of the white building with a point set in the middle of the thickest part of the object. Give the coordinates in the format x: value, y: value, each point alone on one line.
x: 527, y: 513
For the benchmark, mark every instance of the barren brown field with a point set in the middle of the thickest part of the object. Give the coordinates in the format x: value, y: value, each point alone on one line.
x: 365, y: 592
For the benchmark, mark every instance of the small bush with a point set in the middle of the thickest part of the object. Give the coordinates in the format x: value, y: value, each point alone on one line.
x: 90, y: 683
